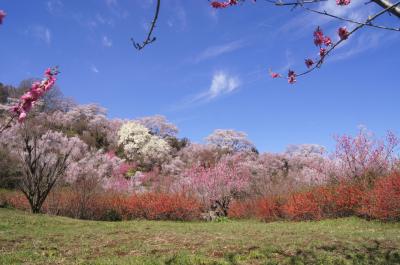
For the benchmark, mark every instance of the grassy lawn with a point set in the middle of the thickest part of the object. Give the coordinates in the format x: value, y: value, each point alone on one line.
x: 41, y: 239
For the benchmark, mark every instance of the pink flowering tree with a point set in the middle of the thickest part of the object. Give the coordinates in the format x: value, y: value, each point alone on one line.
x: 325, y: 44
x: 363, y: 157
x: 218, y: 185
x: 44, y: 157
x: 89, y: 175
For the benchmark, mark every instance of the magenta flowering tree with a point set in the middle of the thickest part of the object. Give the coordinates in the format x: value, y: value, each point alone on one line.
x: 216, y: 186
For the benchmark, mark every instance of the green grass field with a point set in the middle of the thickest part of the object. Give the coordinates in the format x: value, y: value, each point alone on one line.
x: 41, y: 239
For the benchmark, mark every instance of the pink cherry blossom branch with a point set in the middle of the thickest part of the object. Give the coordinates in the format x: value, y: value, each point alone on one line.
x: 320, y: 40
x: 2, y: 16
x: 325, y: 13
x: 37, y: 91
x: 149, y: 39
x: 370, y: 19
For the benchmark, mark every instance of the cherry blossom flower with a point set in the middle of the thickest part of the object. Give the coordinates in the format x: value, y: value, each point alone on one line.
x: 2, y: 16
x: 273, y: 74
x: 318, y: 37
x: 322, y: 52
x: 217, y: 4
x: 327, y: 41
x: 309, y: 63
x: 28, y: 100
x: 343, y: 33
x: 291, y: 77
x: 343, y: 2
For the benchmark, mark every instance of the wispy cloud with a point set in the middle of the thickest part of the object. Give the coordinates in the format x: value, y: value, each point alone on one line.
x: 107, y: 42
x: 363, y: 43
x: 178, y: 20
x: 116, y: 9
x: 112, y: 3
x: 221, y: 84
x: 40, y: 33
x: 308, y: 21
x: 216, y: 51
x: 54, y: 6
x: 94, y: 69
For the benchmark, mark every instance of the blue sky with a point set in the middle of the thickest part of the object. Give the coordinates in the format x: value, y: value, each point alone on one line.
x: 209, y: 68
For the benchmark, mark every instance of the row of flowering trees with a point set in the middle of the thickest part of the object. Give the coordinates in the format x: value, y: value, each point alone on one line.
x: 79, y: 149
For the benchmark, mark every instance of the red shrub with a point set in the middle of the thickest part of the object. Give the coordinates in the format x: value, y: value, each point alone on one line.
x: 302, y: 206
x: 348, y: 199
x: 17, y: 200
x: 161, y: 206
x: 266, y: 209
x: 383, y: 201
x: 242, y: 209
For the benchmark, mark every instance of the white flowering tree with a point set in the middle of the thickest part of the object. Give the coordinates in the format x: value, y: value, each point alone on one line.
x: 230, y: 140
x: 141, y: 146
x: 159, y: 126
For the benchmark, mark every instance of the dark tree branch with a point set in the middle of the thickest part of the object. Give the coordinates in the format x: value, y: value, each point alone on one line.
x: 7, y: 124
x: 383, y: 3
x: 295, y: 4
x: 149, y: 39
x: 350, y: 20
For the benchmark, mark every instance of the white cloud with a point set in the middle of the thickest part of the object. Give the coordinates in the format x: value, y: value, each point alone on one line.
x: 221, y: 84
x: 94, y: 69
x: 40, y: 33
x: 106, y: 41
x: 215, y: 51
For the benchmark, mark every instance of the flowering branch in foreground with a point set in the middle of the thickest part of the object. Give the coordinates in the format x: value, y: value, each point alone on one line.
x: 38, y: 89
x: 326, y: 46
x: 2, y: 16
x: 320, y: 40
